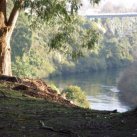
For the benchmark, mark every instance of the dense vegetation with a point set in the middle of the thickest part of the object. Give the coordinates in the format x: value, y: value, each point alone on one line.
x: 31, y: 55
x: 75, y: 94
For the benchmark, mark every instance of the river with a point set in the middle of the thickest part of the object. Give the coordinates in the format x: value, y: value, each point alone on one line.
x: 100, y: 87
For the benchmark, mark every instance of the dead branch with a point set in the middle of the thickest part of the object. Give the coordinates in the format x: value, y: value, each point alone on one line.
x: 64, y: 131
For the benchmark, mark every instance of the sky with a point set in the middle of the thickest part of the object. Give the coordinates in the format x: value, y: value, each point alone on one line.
x: 126, y: 3
x: 87, y: 9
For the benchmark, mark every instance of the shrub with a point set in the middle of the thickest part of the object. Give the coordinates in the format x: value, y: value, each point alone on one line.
x: 75, y: 94
x: 54, y: 87
x: 128, y: 84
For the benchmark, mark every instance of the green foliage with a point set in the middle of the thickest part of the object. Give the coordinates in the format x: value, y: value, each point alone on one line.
x: 50, y: 52
x: 22, y: 37
x: 116, y: 53
x: 32, y: 65
x: 54, y: 87
x: 74, y: 39
x: 49, y: 11
x: 64, y: 33
x: 68, y: 37
x: 114, y: 50
x: 75, y: 94
x: 39, y: 62
x: 22, y: 68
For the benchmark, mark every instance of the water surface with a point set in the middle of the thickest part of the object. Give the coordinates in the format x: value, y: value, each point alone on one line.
x: 100, y: 87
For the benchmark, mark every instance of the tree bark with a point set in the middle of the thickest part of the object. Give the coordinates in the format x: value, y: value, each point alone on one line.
x: 5, y: 55
x: 6, y: 29
x: 5, y: 52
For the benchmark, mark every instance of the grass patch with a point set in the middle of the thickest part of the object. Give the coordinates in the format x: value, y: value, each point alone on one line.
x: 21, y: 116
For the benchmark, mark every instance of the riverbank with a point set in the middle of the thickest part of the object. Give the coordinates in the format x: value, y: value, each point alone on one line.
x: 25, y: 112
x: 99, y: 87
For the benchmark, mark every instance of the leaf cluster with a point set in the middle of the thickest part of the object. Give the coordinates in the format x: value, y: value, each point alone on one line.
x: 75, y: 94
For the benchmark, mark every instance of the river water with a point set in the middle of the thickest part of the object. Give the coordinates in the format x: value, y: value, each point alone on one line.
x: 100, y: 87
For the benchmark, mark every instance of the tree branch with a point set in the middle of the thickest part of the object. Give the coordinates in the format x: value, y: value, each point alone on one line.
x: 3, y: 9
x: 58, y: 131
x: 14, y: 15
x: 15, y: 12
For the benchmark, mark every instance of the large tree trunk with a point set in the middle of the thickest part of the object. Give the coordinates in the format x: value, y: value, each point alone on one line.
x: 5, y: 52
x: 6, y: 29
x: 5, y: 55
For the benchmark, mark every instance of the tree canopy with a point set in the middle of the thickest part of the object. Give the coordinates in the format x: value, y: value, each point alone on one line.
x: 39, y: 12
x: 31, y: 56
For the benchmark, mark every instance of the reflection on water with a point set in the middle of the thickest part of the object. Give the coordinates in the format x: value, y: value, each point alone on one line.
x: 100, y: 87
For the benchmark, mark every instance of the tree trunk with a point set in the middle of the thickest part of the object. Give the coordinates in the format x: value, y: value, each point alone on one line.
x: 5, y: 55
x: 6, y: 29
x: 5, y: 52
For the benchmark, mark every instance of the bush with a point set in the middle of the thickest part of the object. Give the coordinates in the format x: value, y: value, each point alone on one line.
x: 54, y: 87
x: 75, y: 94
x: 128, y: 85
